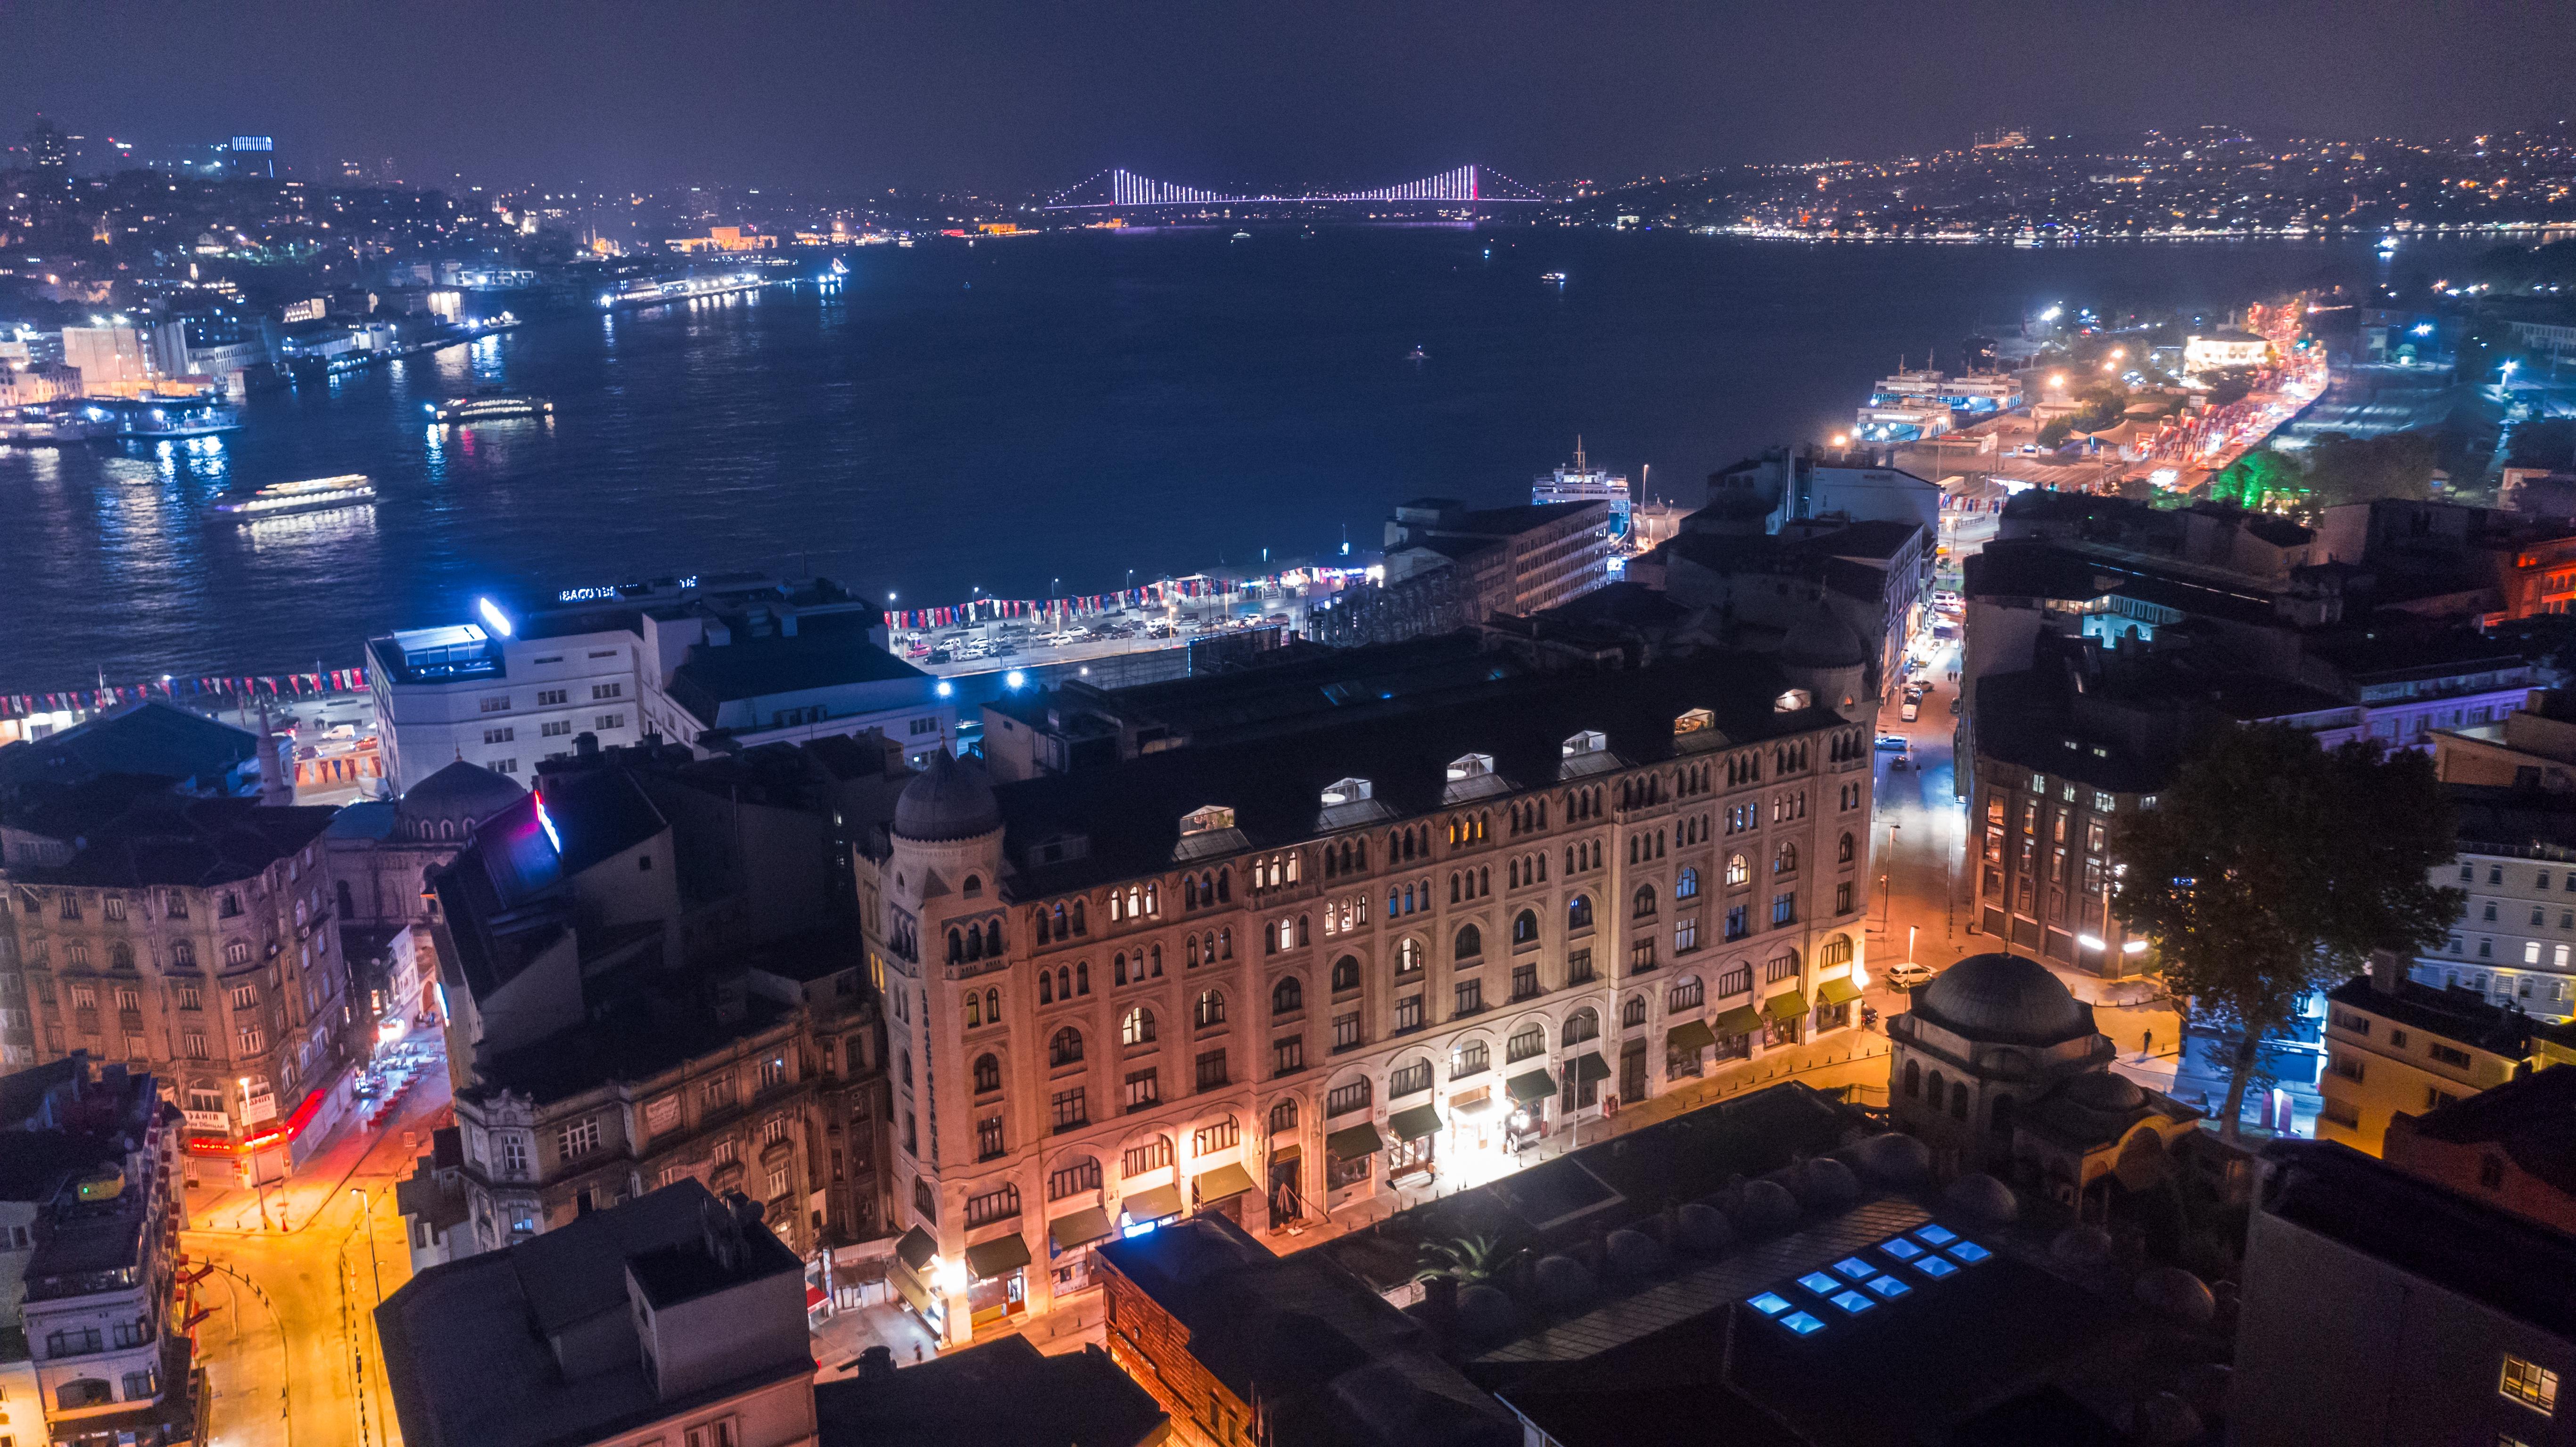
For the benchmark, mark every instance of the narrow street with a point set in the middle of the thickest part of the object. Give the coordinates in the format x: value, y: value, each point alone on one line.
x: 291, y: 1306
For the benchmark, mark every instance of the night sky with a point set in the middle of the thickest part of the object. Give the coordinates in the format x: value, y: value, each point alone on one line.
x: 1037, y: 94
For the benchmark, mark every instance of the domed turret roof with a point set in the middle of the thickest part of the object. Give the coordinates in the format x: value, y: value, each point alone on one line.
x: 2004, y: 998
x: 459, y: 795
x: 951, y: 799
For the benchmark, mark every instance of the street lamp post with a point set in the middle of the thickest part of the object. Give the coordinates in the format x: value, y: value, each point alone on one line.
x: 367, y: 1219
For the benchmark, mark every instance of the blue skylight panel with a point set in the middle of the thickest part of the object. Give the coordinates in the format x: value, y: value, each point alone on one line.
x: 1802, y: 1324
x: 1969, y: 1252
x: 1889, y: 1288
x: 1937, y: 1267
x: 1819, y: 1283
x: 1852, y: 1301
x: 1854, y: 1269
x: 1900, y: 1248
x: 1935, y: 1235
x: 1769, y: 1303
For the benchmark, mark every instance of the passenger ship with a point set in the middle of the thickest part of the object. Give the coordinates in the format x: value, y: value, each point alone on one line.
x: 490, y: 407
x: 282, y: 499
x: 1585, y: 483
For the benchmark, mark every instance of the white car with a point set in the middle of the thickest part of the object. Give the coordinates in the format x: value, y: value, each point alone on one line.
x: 1908, y: 976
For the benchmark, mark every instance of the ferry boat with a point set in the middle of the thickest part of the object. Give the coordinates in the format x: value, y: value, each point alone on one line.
x: 35, y: 428
x: 489, y: 407
x: 318, y: 494
x: 1583, y: 482
x: 1552, y: 278
x: 163, y: 418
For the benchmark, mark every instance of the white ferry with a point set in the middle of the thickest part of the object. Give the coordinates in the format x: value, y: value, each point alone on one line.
x: 319, y: 494
x: 1583, y: 482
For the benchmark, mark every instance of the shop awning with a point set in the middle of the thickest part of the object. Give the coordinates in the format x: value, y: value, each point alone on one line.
x: 1690, y: 1035
x: 1591, y: 1067
x: 1224, y: 1183
x: 1536, y: 1085
x: 916, y: 1249
x: 1079, y: 1229
x: 1837, y: 991
x: 1742, y: 1020
x: 1477, y: 1103
x: 914, y: 1292
x: 998, y: 1257
x: 1352, y: 1142
x: 1785, y: 1007
x: 1152, y: 1205
x: 1415, y: 1122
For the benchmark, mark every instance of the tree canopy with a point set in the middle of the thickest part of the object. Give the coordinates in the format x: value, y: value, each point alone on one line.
x: 2258, y: 478
x: 2271, y: 868
x: 2343, y: 469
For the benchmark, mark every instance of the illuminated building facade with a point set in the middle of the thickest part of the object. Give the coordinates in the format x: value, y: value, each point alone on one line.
x: 1284, y: 975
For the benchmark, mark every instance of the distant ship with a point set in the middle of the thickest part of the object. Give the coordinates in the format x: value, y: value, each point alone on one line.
x: 1417, y: 355
x: 1554, y: 278
x: 188, y: 417
x: 1243, y: 236
x: 319, y: 494
x: 51, y: 428
x: 490, y: 407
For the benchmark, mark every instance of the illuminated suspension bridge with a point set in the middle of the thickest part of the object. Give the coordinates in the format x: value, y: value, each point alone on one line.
x: 1464, y: 185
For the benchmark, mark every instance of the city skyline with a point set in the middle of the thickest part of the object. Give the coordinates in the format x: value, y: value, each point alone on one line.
x: 1023, y: 98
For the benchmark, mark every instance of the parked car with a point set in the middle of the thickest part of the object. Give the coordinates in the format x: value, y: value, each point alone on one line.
x: 1893, y: 743
x: 1907, y: 975
x: 1908, y: 712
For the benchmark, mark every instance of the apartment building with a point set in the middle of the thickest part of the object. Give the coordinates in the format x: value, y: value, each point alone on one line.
x: 2396, y: 1048
x: 719, y: 663
x: 1275, y: 962
x: 191, y: 937
x: 2512, y: 944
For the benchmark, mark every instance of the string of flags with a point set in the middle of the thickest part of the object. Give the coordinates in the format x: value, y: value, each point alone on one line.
x: 243, y: 689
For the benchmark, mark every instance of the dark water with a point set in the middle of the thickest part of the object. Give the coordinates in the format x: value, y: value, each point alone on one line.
x: 1012, y: 414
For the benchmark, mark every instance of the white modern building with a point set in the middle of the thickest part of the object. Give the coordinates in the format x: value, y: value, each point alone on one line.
x: 719, y: 664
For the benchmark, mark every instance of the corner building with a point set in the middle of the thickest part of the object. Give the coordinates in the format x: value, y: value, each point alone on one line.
x: 1332, y: 957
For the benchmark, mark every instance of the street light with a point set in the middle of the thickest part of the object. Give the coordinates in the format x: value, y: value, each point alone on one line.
x: 367, y: 1216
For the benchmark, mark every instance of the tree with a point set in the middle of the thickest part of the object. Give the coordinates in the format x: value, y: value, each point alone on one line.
x: 2548, y: 442
x: 2259, y: 477
x: 1467, y: 1260
x: 2343, y: 468
x: 2271, y: 868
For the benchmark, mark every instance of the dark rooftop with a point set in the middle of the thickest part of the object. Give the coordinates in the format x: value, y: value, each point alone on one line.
x: 132, y: 832
x: 151, y: 737
x: 1000, y: 1394
x: 2532, y: 1119
x: 2449, y: 1014
x: 760, y: 667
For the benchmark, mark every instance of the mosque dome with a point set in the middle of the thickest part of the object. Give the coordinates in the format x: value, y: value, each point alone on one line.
x: 449, y: 803
x: 2105, y: 1092
x: 2003, y: 998
x: 949, y: 800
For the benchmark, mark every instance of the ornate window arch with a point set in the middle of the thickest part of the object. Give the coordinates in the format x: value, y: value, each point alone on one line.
x: 1470, y: 943
x: 1578, y: 912
x: 1582, y: 1025
x: 1137, y: 1027
x: 1064, y: 1047
x: 1525, y: 928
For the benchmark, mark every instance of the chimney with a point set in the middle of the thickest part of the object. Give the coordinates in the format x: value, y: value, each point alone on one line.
x: 2385, y: 971
x: 876, y: 1364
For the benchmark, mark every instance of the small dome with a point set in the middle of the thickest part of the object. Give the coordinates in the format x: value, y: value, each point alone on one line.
x: 1767, y: 1209
x: 1894, y: 1159
x: 948, y: 800
x: 2104, y: 1091
x: 1703, y: 1229
x: 458, y: 794
x: 2178, y: 1293
x: 1485, y: 1312
x: 1634, y: 1253
x: 2003, y: 997
x: 1825, y: 1184
x: 1563, y: 1283
x: 2082, y: 1246
x: 1982, y: 1196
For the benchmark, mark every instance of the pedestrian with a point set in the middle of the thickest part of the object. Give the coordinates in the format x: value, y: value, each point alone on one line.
x: 916, y: 1351
x: 2147, y: 1047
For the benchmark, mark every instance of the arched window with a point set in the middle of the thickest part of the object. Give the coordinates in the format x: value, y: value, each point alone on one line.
x: 1958, y: 1100
x: 1913, y: 1079
x: 1529, y: 1040
x: 1686, y: 994
x: 1154, y: 960
x: 1935, y: 1090
x: 1118, y: 968
x: 1288, y: 996
x: 1065, y: 1047
x: 1470, y: 943
x: 1305, y: 931
x: 988, y: 1074
x: 973, y: 886
x: 1836, y: 951
x: 1525, y: 928
x: 1225, y: 943
x: 1453, y: 886
x: 1645, y: 902
x: 993, y: 937
x: 1784, y: 860
x: 1046, y: 988
x: 1210, y: 1009
x: 1346, y: 974
x: 1189, y: 891
x: 1582, y: 1025
x: 183, y: 955
x: 1408, y: 956
x: 1999, y: 1116
x: 1283, y: 1117
x: 1082, y: 977
x: 1686, y: 884
x: 1138, y: 1027
x: 1079, y: 926
x: 236, y: 952
x: 1843, y: 851
x: 993, y: 1007
x: 1738, y: 871
x: 120, y: 956
x: 956, y: 948
x: 1190, y: 952
x: 1410, y: 1078
x: 1633, y: 1014
x: 974, y: 1009
x: 1578, y: 912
